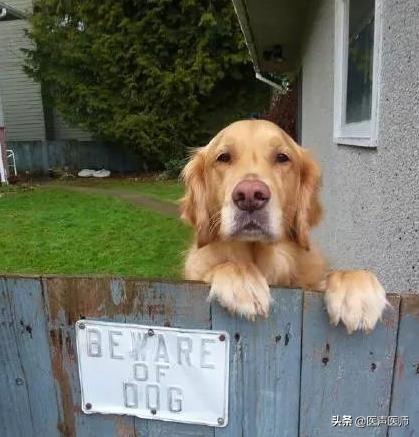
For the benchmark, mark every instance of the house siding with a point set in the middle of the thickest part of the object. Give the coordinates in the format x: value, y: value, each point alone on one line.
x: 21, y: 96
x: 22, y: 5
x: 371, y: 218
x: 22, y: 101
x: 63, y: 131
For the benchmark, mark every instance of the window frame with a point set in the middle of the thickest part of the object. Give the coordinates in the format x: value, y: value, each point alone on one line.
x: 362, y: 133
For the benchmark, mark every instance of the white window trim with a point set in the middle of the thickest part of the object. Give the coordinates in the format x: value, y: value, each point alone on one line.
x: 362, y: 133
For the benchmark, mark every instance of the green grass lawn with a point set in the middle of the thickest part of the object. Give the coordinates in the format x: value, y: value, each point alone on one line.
x: 164, y: 190
x: 57, y: 231
x: 170, y: 190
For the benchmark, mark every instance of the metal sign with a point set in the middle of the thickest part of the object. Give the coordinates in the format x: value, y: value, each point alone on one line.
x: 152, y: 372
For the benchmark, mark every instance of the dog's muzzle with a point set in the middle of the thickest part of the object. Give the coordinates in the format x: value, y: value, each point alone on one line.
x: 251, y: 218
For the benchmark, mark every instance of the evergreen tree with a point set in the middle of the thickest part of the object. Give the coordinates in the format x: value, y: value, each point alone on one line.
x: 140, y: 73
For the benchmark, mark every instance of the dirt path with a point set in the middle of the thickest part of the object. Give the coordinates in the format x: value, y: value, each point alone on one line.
x: 136, y: 199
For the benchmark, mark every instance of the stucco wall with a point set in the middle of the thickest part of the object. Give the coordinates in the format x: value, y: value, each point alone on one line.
x: 370, y: 195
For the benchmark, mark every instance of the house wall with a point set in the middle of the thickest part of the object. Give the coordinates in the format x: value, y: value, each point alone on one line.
x: 22, y: 5
x: 21, y: 96
x: 63, y: 131
x: 24, y: 112
x: 370, y: 195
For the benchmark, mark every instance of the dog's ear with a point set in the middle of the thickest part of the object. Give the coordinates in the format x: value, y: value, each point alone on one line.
x: 193, y: 206
x: 309, y: 210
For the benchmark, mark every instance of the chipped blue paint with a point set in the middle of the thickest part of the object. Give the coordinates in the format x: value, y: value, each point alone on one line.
x: 265, y: 369
x: 31, y: 375
x: 344, y: 374
x: 117, y: 291
x: 404, y: 401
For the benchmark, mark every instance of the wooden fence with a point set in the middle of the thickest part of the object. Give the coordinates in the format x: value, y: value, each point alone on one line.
x: 289, y: 374
x: 40, y: 156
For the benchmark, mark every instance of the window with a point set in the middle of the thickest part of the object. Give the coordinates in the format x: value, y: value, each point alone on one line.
x: 356, y: 72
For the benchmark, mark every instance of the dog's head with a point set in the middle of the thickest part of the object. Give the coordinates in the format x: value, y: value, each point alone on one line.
x: 252, y: 182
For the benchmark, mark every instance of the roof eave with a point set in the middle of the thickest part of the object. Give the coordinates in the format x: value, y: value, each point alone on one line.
x: 273, y: 31
x: 243, y: 18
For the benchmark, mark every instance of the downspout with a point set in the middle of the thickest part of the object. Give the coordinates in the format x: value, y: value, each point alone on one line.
x: 262, y: 78
x: 3, y: 153
x: 3, y: 178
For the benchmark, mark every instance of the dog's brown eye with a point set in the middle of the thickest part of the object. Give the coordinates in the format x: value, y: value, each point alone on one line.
x: 281, y: 157
x: 224, y: 157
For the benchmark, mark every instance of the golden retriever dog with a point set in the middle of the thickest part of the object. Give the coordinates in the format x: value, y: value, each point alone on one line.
x: 252, y: 195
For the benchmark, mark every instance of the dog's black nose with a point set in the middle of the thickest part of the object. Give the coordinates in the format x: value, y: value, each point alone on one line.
x: 250, y: 195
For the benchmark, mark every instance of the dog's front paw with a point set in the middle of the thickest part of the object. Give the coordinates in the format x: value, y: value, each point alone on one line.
x: 241, y: 289
x: 356, y: 298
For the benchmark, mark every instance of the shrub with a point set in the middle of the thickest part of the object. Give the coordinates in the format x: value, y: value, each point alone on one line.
x: 140, y: 73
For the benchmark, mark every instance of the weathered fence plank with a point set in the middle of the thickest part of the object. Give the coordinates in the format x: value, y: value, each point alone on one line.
x: 344, y: 374
x: 29, y: 325
x: 68, y: 300
x: 406, y: 373
x: 264, y: 369
x: 37, y: 156
x: 15, y: 408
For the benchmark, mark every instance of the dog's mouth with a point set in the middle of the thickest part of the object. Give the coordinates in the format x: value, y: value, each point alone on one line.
x: 248, y: 226
x: 251, y: 227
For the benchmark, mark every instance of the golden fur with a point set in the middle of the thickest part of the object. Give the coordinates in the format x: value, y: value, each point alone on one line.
x: 239, y: 259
